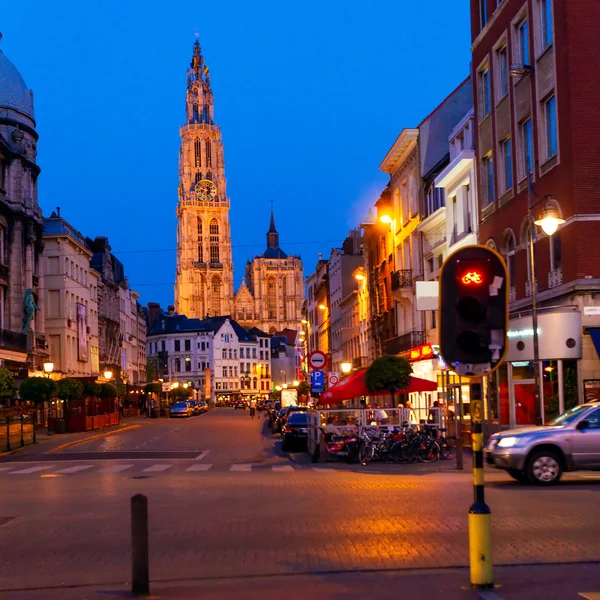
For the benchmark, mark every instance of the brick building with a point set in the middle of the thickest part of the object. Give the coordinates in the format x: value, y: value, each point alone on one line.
x: 536, y: 75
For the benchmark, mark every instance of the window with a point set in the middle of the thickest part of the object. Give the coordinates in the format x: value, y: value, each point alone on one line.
x: 483, y: 13
x: 550, y: 118
x: 230, y: 353
x: 214, y: 242
x: 502, y: 61
x: 200, y: 251
x: 188, y: 364
x: 177, y: 345
x: 488, y: 180
x: 527, y: 146
x: 511, y: 257
x: 224, y: 353
x: 208, y: 154
x: 197, y: 154
x: 546, y: 18
x: 505, y: 151
x: 262, y: 355
x: 454, y: 219
x: 523, y: 42
x: 203, y: 346
x: 434, y: 199
x: 187, y: 344
x: 253, y: 352
x: 177, y: 365
x: 235, y: 354
x: 271, y: 298
x: 485, y: 92
x: 216, y: 296
x: 241, y: 353
x: 163, y: 346
x: 555, y: 251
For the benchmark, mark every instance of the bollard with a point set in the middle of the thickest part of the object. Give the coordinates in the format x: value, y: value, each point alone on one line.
x: 22, y: 438
x: 140, y: 571
x: 322, y: 449
x: 480, y: 518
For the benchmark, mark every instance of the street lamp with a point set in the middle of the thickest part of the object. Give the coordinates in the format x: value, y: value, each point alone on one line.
x: 549, y: 221
x: 385, y: 219
x: 359, y: 277
x: 278, y: 388
x: 48, y: 368
x: 346, y: 367
x: 296, y: 383
x: 284, y: 386
x: 108, y: 374
x: 322, y: 307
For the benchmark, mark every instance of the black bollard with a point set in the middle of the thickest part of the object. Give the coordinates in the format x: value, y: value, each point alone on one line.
x: 140, y: 572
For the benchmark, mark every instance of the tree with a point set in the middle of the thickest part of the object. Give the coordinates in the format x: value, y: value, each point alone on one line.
x: 180, y: 393
x: 37, y: 389
x: 153, y: 388
x: 69, y: 389
x: 388, y: 373
x: 304, y: 389
x: 91, y: 388
x: 121, y: 390
x: 107, y: 390
x: 8, y: 387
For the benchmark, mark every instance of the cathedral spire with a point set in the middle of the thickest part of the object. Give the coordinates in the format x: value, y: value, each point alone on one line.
x: 199, y: 100
x: 272, y: 235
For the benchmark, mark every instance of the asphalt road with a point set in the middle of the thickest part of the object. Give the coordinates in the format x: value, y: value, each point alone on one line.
x: 226, y: 502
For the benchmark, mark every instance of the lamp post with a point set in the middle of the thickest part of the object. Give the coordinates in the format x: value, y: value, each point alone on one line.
x: 48, y: 368
x: 549, y: 221
x: 346, y: 367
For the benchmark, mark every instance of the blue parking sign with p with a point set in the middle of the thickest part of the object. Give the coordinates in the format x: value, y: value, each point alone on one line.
x: 318, y: 382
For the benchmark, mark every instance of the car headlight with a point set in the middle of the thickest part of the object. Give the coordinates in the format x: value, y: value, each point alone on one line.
x: 508, y: 442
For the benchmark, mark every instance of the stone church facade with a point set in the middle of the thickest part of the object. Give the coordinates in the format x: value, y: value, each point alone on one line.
x: 272, y: 293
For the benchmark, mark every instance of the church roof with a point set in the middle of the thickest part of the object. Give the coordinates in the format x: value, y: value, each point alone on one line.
x: 13, y: 90
x: 274, y: 253
x: 273, y: 250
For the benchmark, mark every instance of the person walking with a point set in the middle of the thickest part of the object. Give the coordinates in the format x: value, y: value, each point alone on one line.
x: 252, y: 407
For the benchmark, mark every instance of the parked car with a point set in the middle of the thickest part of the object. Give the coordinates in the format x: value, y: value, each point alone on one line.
x: 540, y: 455
x: 181, y: 409
x: 294, y: 433
x: 278, y: 420
x: 239, y: 404
x: 202, y: 406
x: 284, y: 413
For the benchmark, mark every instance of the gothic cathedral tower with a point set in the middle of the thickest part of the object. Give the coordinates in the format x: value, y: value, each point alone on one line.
x: 204, y: 281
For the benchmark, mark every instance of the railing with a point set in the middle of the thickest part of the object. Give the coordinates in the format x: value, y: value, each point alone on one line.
x: 555, y: 277
x: 13, y: 341
x: 16, y: 431
x: 528, y: 287
x: 402, y: 279
x: 512, y: 293
x: 404, y: 342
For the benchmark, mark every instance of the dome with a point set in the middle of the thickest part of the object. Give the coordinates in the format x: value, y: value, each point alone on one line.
x: 13, y: 90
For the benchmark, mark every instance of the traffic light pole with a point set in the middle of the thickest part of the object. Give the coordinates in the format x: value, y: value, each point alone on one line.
x: 480, y: 517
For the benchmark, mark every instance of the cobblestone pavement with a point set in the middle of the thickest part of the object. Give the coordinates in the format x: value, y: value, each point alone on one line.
x: 73, y: 528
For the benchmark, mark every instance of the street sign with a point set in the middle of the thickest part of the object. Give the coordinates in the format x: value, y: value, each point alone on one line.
x: 317, y: 382
x: 317, y: 360
x: 333, y: 378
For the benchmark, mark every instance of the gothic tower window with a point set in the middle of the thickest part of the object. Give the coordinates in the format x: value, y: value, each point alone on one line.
x: 200, y: 252
x: 197, y: 178
x: 215, y: 297
x: 205, y: 115
x: 284, y: 297
x: 195, y: 113
x: 271, y: 298
x: 197, y: 154
x: 214, y: 241
x: 208, y: 154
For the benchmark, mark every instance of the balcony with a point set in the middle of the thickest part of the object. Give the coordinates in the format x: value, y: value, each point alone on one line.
x: 555, y: 278
x: 528, y: 289
x: 10, y: 340
x: 512, y: 293
x: 404, y: 342
x: 402, y: 279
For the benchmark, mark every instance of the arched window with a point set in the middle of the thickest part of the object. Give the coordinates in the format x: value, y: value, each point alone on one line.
x: 510, y: 249
x: 200, y: 252
x: 208, y: 154
x: 271, y: 298
x: 556, y: 251
x: 491, y: 244
x: 205, y: 114
x: 284, y: 298
x: 215, y: 296
x: 214, y: 242
x: 195, y: 113
x: 209, y: 176
x: 197, y: 154
x: 197, y: 178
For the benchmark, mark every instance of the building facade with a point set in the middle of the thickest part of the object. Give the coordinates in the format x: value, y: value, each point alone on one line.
x: 71, y: 300
x: 538, y: 142
x: 23, y: 346
x: 271, y: 296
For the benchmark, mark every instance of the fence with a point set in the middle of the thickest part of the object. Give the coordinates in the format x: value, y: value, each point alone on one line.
x: 361, y: 417
x: 16, y: 430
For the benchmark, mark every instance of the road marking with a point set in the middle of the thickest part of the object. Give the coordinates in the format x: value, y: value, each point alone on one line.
x: 241, y: 468
x: 202, y: 467
x: 7, y: 468
x: 74, y: 469
x: 32, y: 470
x: 202, y: 455
x: 589, y: 476
x: 157, y: 468
x: 590, y: 595
x: 115, y: 468
x: 284, y: 469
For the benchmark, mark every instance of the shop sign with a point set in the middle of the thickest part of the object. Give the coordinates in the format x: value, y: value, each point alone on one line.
x: 424, y: 352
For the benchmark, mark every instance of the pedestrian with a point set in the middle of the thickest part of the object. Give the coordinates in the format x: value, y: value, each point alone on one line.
x: 381, y: 417
x: 433, y: 415
x: 412, y: 417
x: 252, y: 407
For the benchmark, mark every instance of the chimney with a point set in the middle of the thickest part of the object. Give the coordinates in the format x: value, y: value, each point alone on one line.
x: 171, y: 310
x: 154, y: 311
x: 58, y: 211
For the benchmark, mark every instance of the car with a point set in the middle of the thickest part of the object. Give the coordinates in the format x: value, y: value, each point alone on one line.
x: 540, y: 455
x: 202, y: 406
x: 277, y: 420
x: 283, y: 415
x: 181, y: 409
x: 294, y: 434
x: 239, y: 404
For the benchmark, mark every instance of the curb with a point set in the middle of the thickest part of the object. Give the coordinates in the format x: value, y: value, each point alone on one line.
x: 93, y: 437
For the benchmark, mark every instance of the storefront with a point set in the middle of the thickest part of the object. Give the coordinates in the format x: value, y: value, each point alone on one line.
x: 560, y: 350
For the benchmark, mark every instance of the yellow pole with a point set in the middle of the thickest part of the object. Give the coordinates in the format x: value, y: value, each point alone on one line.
x: 480, y: 524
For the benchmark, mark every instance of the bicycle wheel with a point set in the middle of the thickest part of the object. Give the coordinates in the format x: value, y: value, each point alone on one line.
x: 428, y: 451
x: 365, y: 454
x: 447, y: 449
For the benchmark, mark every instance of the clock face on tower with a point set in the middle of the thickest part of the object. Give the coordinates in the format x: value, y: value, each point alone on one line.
x: 206, y: 189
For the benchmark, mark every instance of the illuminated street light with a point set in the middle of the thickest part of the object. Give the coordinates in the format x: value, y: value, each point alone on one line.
x: 346, y: 367
x: 186, y: 385
x: 322, y: 307
x: 296, y: 383
x: 108, y: 374
x: 278, y: 388
x: 48, y: 367
x: 359, y: 277
x: 175, y: 385
x: 284, y: 386
x: 550, y: 219
x: 303, y: 321
x: 385, y: 219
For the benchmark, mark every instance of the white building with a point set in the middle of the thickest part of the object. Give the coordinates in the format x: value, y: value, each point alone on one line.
x: 133, y: 337
x: 215, y: 355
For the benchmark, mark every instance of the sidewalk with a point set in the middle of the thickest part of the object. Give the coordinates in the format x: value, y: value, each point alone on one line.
x: 547, y: 582
x: 52, y: 442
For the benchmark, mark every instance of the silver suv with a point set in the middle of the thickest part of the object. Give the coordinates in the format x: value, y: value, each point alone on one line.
x: 540, y: 455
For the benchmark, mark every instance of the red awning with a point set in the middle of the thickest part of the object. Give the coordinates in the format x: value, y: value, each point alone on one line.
x: 354, y: 386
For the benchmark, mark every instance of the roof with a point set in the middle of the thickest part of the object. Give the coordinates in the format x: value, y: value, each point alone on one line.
x: 174, y: 323
x: 274, y: 253
x: 288, y: 334
x: 58, y: 226
x: 13, y: 90
x: 258, y: 332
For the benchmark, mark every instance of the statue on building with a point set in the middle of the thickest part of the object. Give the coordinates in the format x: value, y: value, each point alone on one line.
x: 29, y: 308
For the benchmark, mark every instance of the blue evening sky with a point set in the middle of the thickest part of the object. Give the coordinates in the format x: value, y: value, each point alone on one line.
x: 309, y: 96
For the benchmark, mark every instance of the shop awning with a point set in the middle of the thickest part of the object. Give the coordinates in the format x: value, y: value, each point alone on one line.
x: 354, y: 386
x: 595, y: 335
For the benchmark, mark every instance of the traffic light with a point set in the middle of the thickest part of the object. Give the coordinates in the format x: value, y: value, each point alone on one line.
x: 473, y: 310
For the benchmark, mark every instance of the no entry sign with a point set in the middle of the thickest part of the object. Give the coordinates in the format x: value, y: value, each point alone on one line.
x: 317, y: 360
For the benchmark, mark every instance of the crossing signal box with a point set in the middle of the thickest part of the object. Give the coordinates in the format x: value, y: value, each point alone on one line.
x: 473, y: 310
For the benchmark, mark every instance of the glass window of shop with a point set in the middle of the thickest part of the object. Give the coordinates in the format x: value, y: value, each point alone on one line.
x: 550, y: 389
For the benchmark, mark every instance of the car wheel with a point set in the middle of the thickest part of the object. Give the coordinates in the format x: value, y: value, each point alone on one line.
x: 519, y: 476
x: 544, y: 468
